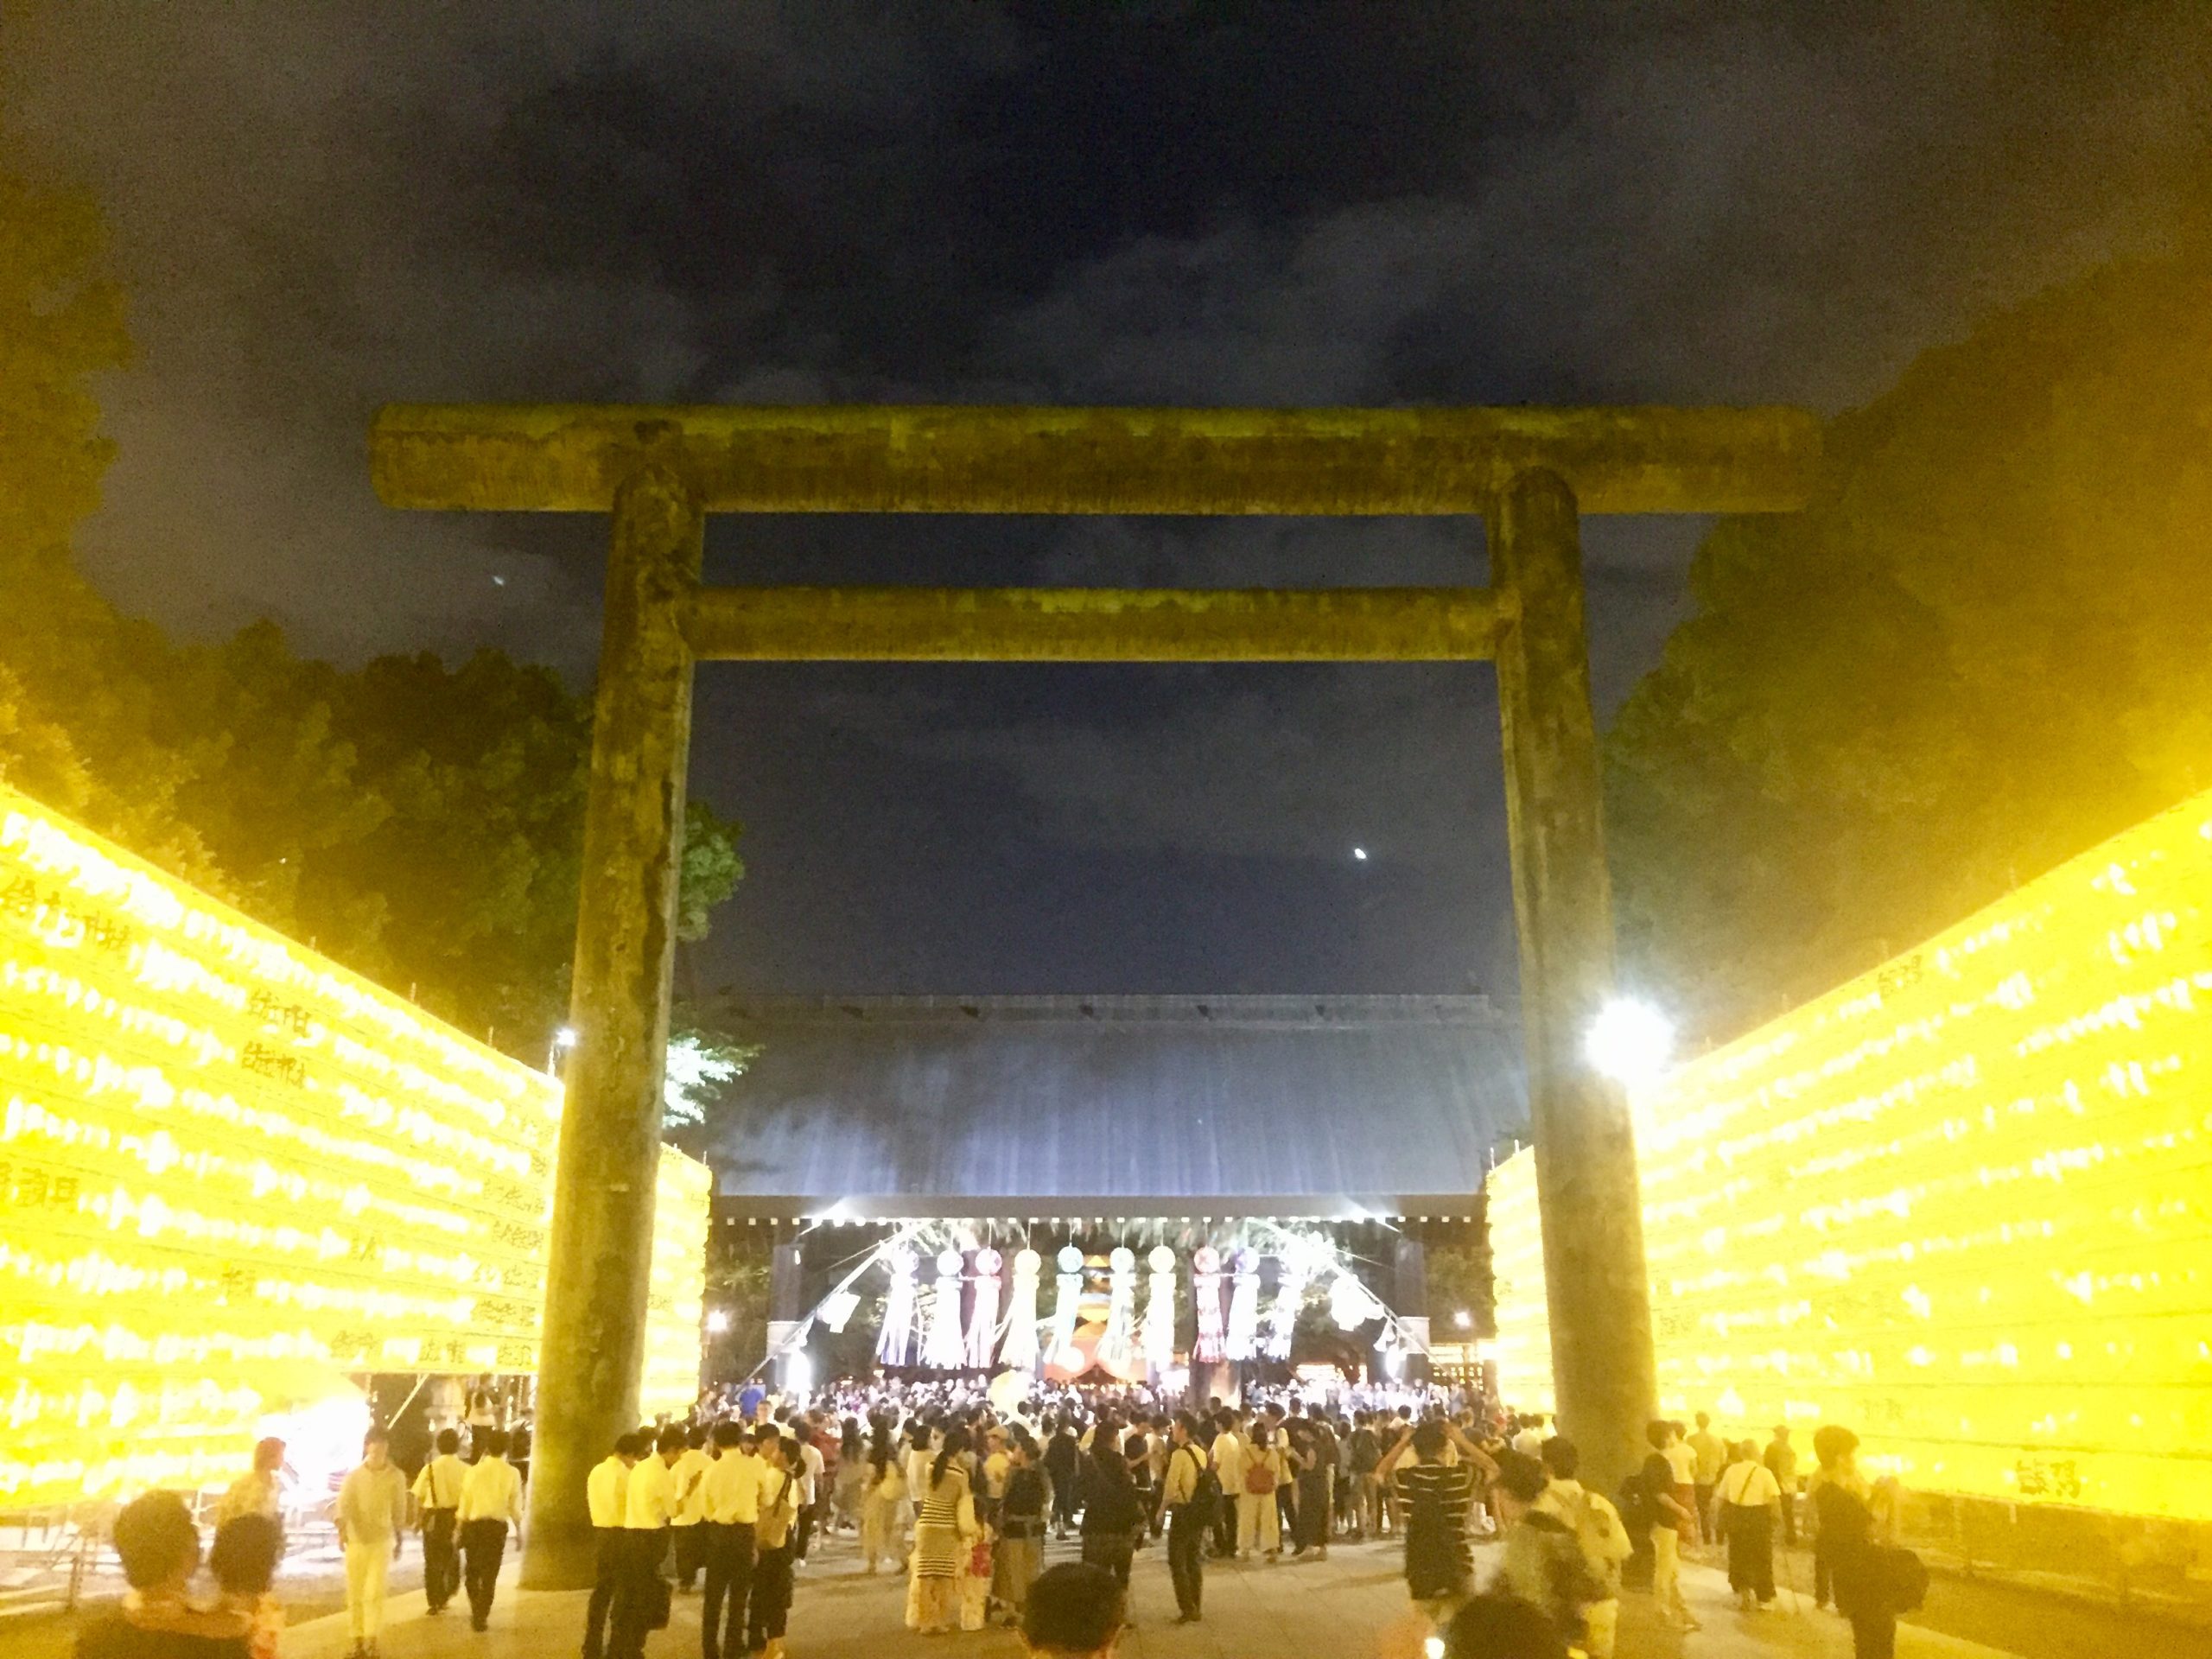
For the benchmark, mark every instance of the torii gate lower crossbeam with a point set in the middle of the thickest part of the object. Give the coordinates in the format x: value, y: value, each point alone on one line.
x: 1528, y: 473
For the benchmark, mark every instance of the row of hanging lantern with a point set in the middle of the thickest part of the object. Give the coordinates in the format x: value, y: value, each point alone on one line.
x: 934, y: 1334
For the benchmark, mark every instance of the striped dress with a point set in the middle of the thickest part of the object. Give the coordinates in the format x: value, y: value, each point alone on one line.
x: 940, y: 1555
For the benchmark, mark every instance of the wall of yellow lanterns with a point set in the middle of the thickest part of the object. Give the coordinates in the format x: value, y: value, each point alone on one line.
x: 1962, y: 1204
x: 232, y: 1171
x: 676, y: 1294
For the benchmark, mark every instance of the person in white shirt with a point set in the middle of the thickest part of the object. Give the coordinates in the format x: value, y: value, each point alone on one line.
x: 649, y: 1503
x: 1746, y: 1502
x: 437, y: 1496
x: 730, y: 1500
x: 370, y: 1512
x: 1229, y: 1450
x: 607, y: 1494
x: 1529, y: 1440
x: 808, y: 1469
x: 690, y: 1540
x: 491, y: 1499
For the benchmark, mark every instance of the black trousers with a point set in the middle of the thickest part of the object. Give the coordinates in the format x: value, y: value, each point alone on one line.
x: 483, y: 1542
x: 440, y: 1560
x: 642, y: 1549
x: 772, y: 1597
x: 1187, y: 1558
x: 1224, y: 1525
x: 1874, y: 1636
x: 606, y: 1585
x: 690, y: 1552
x: 1111, y: 1550
x: 729, y: 1579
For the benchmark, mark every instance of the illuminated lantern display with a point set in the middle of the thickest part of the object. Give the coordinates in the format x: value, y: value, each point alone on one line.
x: 676, y: 1301
x: 1296, y: 1266
x: 1117, y: 1345
x: 1158, y: 1338
x: 1021, y: 1349
x: 1243, y: 1340
x: 1963, y: 1205
x: 1067, y: 1312
x: 233, y: 1174
x: 1205, y: 1292
x: 894, y: 1341
x: 1523, y: 1345
x: 945, y: 1347
x: 983, y: 1317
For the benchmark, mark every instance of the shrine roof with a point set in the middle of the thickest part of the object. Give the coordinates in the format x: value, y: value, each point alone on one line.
x: 864, y: 1108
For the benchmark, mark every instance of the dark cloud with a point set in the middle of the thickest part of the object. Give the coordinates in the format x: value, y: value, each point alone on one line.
x: 321, y: 206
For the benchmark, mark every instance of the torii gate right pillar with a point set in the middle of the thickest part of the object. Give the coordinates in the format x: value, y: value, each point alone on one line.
x: 1587, y: 1185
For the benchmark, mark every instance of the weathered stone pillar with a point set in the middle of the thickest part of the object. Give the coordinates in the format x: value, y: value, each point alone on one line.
x: 1586, y: 1185
x: 601, y: 1245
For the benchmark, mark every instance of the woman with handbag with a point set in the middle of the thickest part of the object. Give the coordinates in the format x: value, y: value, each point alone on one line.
x: 1023, y: 1509
x: 944, y: 1535
x: 1853, y: 1539
x: 1745, y: 1503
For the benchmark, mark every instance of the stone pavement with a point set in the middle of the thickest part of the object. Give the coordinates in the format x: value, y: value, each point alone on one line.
x: 1352, y: 1606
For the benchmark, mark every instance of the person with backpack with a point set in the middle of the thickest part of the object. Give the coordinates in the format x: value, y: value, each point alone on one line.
x: 1193, y: 1495
x: 1541, y: 1562
x: 1873, y: 1581
x: 1262, y: 1467
x: 1598, y: 1529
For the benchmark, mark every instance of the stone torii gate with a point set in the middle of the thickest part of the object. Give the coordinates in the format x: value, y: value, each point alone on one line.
x: 1528, y: 473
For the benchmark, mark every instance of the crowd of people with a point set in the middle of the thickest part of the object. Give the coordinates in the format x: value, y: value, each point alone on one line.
x: 941, y: 1484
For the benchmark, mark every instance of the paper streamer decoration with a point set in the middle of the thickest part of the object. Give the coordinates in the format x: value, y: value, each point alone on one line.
x: 983, y: 1317
x: 1244, y: 1306
x: 1205, y: 1291
x: 1067, y: 1310
x: 1020, y: 1349
x: 1159, y: 1338
x: 1352, y: 1304
x: 838, y: 1308
x: 893, y: 1344
x: 1117, y: 1345
x: 1295, y: 1268
x: 946, y: 1349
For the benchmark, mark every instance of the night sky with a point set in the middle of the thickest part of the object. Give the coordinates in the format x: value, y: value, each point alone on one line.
x: 319, y: 207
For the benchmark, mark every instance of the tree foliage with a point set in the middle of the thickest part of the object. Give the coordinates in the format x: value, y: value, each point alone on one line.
x: 422, y: 824
x: 1986, y: 646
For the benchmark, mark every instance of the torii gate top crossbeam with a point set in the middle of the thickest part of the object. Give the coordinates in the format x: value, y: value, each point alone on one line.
x: 960, y: 458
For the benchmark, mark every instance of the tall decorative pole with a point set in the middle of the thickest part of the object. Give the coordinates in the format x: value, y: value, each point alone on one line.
x: 1586, y: 1187
x: 602, y: 1246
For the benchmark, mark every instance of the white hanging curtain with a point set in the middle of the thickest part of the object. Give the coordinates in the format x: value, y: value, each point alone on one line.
x: 1020, y: 1349
x: 1158, y: 1341
x: 983, y: 1317
x: 1117, y: 1344
x: 894, y: 1341
x: 946, y: 1348
x: 1205, y: 1291
x: 1067, y: 1310
x: 1296, y: 1266
x: 1243, y: 1341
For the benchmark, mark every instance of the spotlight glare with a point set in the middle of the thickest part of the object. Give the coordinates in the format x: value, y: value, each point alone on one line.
x: 1630, y: 1042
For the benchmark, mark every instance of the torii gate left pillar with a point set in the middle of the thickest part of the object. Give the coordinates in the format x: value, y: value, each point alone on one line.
x: 1529, y: 472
